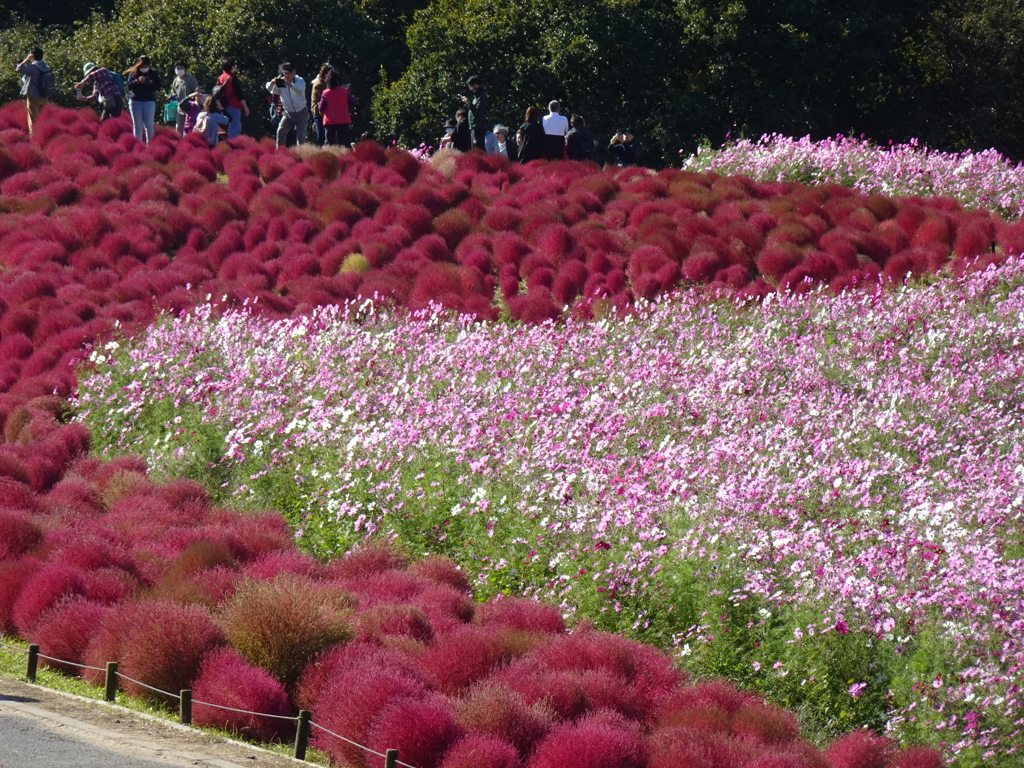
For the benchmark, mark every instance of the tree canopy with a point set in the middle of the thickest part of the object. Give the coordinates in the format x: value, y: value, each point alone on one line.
x: 950, y: 72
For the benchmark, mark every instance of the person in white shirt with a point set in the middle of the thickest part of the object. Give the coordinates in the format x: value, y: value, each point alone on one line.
x: 556, y: 126
x: 291, y: 89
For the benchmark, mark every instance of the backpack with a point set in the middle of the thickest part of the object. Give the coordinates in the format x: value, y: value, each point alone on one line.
x: 223, y: 91
x: 119, y: 82
x: 47, y: 85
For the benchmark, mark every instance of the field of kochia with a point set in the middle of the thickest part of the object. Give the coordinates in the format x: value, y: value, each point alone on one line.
x: 765, y: 426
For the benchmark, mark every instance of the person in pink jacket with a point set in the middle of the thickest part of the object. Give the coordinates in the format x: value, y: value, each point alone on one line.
x: 334, y: 107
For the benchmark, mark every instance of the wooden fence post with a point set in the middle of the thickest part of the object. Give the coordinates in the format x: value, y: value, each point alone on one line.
x: 33, y: 662
x: 301, y: 735
x: 110, y: 682
x: 185, y: 707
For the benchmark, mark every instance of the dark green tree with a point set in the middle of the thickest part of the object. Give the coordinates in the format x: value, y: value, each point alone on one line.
x: 972, y: 63
x: 804, y: 66
x: 614, y: 62
x: 359, y: 38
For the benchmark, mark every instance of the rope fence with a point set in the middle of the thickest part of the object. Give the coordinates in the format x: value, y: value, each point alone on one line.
x: 303, y: 721
x: 70, y: 663
x: 371, y: 751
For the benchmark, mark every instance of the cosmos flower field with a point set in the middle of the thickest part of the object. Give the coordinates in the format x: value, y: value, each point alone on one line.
x: 769, y: 428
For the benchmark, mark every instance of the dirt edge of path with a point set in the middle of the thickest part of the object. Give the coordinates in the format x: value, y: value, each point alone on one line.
x: 125, y: 730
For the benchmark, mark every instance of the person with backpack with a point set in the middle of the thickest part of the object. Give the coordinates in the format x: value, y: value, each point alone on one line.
x: 231, y: 96
x: 37, y: 84
x: 105, y: 90
x: 143, y: 83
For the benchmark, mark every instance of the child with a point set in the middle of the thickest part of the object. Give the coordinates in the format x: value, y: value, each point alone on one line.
x: 190, y: 107
x: 208, y: 121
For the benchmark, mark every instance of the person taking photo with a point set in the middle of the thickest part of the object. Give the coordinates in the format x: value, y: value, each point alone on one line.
x: 291, y: 89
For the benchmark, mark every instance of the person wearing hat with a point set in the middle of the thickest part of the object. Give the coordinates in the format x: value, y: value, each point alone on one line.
x: 292, y: 91
x: 104, y: 90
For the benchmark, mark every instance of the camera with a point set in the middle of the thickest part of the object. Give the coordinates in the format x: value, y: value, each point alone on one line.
x: 280, y: 82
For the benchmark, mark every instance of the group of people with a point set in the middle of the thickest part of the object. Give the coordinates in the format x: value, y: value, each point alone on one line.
x: 551, y: 136
x: 192, y: 108
x: 328, y: 106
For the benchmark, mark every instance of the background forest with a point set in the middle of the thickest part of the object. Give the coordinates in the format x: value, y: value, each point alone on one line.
x: 681, y: 72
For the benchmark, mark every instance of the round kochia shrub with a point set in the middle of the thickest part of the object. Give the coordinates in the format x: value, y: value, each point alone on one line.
x: 280, y: 625
x: 228, y: 680
x: 159, y: 644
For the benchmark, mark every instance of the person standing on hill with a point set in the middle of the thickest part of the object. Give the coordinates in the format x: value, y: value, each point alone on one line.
x: 142, y: 84
x: 292, y: 91
x: 531, y: 136
x: 622, y: 149
x: 319, y: 86
x: 230, y: 94
x: 105, y: 90
x: 334, y: 107
x: 477, y: 103
x: 502, y: 146
x: 182, y: 87
x: 580, y: 144
x: 556, y: 126
x: 36, y: 84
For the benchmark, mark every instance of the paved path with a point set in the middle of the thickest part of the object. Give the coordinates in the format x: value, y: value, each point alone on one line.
x: 40, y: 728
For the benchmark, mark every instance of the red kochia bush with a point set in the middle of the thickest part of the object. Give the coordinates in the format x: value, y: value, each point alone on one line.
x: 467, y: 654
x: 678, y: 746
x: 422, y: 730
x: 351, y: 704
x: 64, y: 632
x: 163, y: 645
x: 521, y: 613
x: 13, y: 575
x: 496, y: 710
x: 44, y: 590
x: 338, y: 664
x: 591, y: 743
x: 18, y: 532
x: 481, y: 752
x: 918, y: 757
x: 859, y: 749
x: 227, y: 679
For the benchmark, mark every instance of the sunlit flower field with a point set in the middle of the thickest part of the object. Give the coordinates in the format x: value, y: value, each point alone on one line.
x: 815, y: 496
